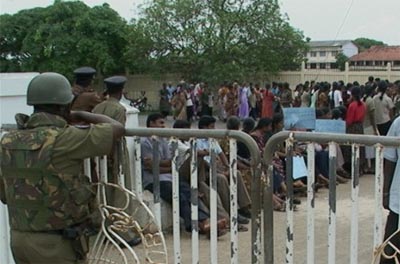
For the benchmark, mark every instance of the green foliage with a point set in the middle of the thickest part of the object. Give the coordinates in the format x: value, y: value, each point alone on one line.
x: 219, y: 39
x: 211, y: 40
x: 341, y: 60
x: 62, y: 37
x: 366, y: 43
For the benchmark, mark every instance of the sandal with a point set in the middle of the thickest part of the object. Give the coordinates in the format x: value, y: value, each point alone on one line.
x: 242, y: 228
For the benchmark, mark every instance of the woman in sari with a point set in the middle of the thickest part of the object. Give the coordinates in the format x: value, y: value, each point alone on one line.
x: 179, y: 104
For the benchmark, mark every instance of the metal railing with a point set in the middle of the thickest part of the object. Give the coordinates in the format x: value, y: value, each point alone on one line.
x: 356, y: 141
x: 213, y: 134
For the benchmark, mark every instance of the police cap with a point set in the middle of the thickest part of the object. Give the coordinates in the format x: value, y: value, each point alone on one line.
x: 84, y: 72
x: 115, y: 83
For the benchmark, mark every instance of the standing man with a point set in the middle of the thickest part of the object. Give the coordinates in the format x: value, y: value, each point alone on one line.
x: 49, y: 200
x: 391, y: 192
x: 86, y: 98
x: 120, y: 155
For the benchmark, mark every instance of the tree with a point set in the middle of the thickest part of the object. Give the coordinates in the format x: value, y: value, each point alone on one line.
x: 366, y: 43
x: 341, y: 60
x: 219, y: 39
x: 63, y: 36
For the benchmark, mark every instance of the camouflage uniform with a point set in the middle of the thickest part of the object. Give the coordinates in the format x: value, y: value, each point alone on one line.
x: 42, y: 185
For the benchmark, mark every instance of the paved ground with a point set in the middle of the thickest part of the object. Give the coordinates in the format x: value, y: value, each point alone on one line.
x: 366, y: 228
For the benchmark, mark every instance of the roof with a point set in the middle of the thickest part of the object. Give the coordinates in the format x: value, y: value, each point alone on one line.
x: 328, y: 43
x: 378, y: 53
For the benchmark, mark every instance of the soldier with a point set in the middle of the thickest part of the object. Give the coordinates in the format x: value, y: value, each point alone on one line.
x: 48, y: 198
x: 120, y: 155
x: 85, y: 96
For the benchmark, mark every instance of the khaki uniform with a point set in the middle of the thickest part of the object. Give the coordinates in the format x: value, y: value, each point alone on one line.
x: 85, y: 99
x: 120, y: 157
x: 39, y: 238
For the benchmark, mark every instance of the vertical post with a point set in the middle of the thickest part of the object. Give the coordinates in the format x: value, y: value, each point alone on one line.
x: 103, y: 178
x: 137, y: 182
x: 233, y: 200
x: 194, y: 201
x: 268, y: 217
x: 86, y: 168
x: 346, y: 72
x: 355, y: 167
x: 332, y: 204
x: 289, y: 200
x: 256, y: 214
x: 310, y: 203
x: 156, y: 180
x: 378, y: 237
x: 175, y: 203
x: 213, y: 203
x: 303, y: 69
x: 6, y: 256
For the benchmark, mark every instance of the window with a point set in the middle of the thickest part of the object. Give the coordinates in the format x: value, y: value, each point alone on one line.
x: 313, y: 54
x: 322, y: 53
x: 334, y: 53
x: 322, y: 66
x: 313, y: 65
x: 334, y: 66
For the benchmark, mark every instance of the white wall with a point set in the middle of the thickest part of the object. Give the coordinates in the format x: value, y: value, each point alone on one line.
x: 349, y: 49
x: 13, y: 88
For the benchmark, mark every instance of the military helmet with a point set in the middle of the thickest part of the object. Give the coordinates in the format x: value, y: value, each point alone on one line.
x: 49, y: 88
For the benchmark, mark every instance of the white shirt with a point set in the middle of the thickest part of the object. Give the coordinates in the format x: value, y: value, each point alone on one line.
x: 393, y: 155
x: 337, y: 97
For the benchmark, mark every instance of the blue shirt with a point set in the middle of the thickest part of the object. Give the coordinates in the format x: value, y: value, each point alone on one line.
x: 164, y: 152
x: 393, y: 155
x: 204, y: 144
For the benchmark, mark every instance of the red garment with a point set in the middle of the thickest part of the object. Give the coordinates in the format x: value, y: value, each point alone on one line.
x: 355, y: 113
x: 268, y: 98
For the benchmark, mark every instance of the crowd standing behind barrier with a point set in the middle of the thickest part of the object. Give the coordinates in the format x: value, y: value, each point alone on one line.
x: 263, y: 173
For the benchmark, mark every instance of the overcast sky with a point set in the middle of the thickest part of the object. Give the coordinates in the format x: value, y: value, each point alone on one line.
x: 318, y: 19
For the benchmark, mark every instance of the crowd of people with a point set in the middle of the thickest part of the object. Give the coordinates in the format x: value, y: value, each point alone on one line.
x: 50, y: 201
x: 369, y: 108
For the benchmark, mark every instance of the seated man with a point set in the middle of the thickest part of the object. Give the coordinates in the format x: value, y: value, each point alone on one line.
x: 156, y: 120
x: 244, y: 202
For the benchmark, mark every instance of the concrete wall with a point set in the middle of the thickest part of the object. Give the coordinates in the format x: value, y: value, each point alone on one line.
x: 152, y: 86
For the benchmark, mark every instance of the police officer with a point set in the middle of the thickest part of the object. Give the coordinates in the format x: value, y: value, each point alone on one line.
x: 48, y: 198
x: 85, y: 96
x: 120, y: 155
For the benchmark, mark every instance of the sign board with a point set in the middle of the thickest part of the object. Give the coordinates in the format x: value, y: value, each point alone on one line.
x: 330, y: 126
x: 299, y: 118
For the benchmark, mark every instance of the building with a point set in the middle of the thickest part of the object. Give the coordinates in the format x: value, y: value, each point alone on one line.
x: 377, y: 58
x: 322, y: 54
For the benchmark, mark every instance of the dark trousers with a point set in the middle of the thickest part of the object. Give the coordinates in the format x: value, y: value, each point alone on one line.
x: 384, y: 128
x: 391, y: 227
x: 184, y: 201
x: 322, y: 163
x: 189, y: 113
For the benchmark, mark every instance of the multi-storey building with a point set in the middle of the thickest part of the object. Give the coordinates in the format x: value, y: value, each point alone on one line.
x: 322, y: 54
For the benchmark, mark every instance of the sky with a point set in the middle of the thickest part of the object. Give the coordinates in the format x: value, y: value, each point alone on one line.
x: 318, y: 19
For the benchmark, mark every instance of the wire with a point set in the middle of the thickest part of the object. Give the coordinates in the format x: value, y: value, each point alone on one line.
x: 338, y: 31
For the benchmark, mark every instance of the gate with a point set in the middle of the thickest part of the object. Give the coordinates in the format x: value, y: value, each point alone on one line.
x: 356, y: 141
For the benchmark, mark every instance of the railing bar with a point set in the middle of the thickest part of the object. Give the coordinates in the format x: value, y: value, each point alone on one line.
x: 233, y: 200
x: 310, y: 203
x: 332, y: 204
x: 137, y: 182
x: 256, y: 194
x: 268, y: 224
x: 378, y: 226
x: 289, y: 201
x: 355, y: 167
x: 175, y: 203
x: 156, y: 180
x: 194, y: 201
x: 213, y: 201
